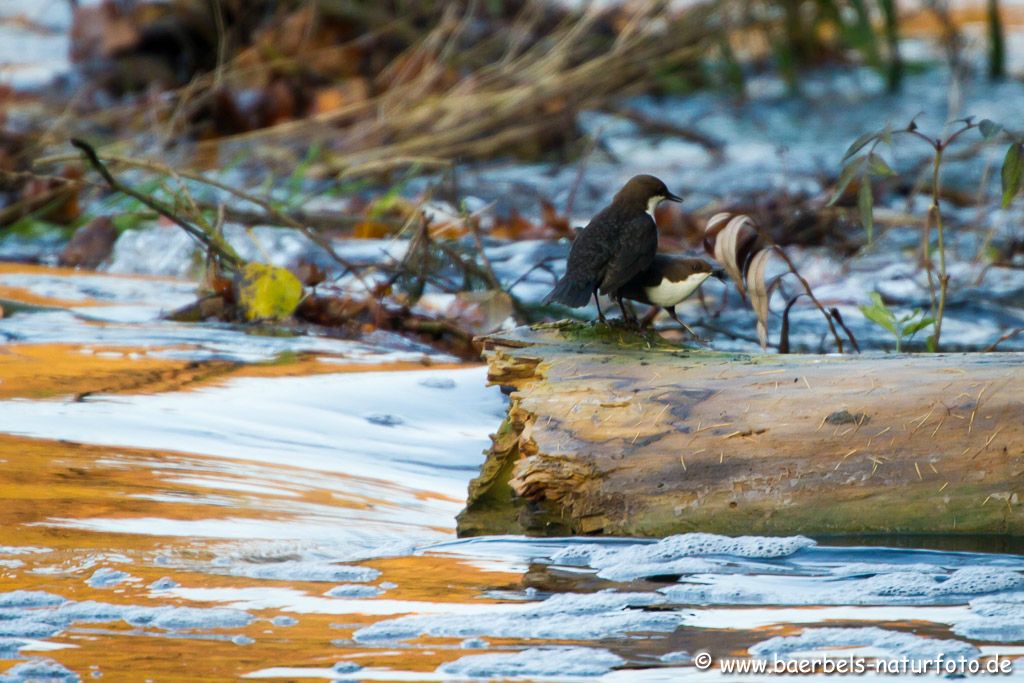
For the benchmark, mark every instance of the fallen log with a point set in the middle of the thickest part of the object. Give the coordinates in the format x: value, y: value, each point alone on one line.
x: 610, y: 432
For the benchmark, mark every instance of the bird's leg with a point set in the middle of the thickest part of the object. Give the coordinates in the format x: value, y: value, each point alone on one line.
x: 622, y: 307
x: 649, y: 317
x: 600, y: 313
x: 627, y: 315
x: 671, y: 310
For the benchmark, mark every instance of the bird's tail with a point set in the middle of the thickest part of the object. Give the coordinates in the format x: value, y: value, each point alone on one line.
x: 572, y: 293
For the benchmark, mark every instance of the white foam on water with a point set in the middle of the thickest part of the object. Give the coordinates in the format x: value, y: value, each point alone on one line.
x: 297, y: 570
x: 354, y: 591
x: 565, y: 616
x: 675, y: 554
x: 39, y: 671
x: 890, y: 644
x: 105, y: 577
x: 882, y: 588
x: 745, y: 618
x: 535, y: 661
x: 997, y: 618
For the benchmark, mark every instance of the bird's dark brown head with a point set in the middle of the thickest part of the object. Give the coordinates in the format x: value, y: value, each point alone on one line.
x: 645, y: 192
x: 676, y: 269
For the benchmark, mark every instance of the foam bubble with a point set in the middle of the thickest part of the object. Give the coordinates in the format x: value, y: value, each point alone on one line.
x: 299, y: 570
x: 681, y: 554
x: 29, y: 599
x: 998, y: 618
x: 349, y: 590
x: 105, y: 577
x: 184, y: 618
x: 893, y: 644
x: 535, y: 661
x: 568, y: 616
x: 39, y: 671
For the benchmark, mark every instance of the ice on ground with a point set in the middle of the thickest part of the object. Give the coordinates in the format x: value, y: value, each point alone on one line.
x: 535, y: 661
x: 891, y: 644
x: 568, y: 616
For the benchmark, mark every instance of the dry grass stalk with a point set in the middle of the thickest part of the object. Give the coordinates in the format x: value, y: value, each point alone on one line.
x: 528, y: 94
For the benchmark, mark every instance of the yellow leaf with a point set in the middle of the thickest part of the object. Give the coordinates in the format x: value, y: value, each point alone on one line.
x: 266, y: 292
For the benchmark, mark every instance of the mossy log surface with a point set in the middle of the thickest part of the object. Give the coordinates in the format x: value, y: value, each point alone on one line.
x: 609, y: 432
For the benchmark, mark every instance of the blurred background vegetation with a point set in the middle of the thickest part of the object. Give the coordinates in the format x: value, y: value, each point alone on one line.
x: 321, y: 116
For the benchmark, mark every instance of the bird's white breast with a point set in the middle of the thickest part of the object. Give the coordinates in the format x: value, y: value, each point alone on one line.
x: 668, y: 293
x: 652, y: 204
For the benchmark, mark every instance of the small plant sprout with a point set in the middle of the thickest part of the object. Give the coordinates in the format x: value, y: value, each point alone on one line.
x: 863, y: 163
x: 903, y: 328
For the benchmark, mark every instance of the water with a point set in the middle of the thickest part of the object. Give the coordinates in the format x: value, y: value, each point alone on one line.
x: 195, y: 498
x: 217, y: 503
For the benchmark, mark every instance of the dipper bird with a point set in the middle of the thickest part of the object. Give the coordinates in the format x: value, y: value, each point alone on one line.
x: 619, y: 243
x: 668, y: 281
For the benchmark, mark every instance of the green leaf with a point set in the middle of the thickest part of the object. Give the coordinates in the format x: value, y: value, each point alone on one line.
x: 859, y: 144
x: 915, y: 327
x: 989, y: 129
x: 880, y: 314
x: 878, y: 167
x: 866, y: 204
x: 1013, y: 165
x: 266, y: 292
x: 846, y: 176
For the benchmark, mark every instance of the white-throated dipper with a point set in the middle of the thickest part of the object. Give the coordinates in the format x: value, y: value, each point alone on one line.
x: 668, y: 281
x: 619, y: 243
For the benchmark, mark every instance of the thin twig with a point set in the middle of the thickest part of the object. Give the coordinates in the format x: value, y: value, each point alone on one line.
x: 1006, y: 337
x: 221, y: 248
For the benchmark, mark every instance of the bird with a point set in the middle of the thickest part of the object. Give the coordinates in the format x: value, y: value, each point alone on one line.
x: 619, y: 243
x: 669, y: 281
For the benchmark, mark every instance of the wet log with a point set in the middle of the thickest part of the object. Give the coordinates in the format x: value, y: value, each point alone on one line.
x: 609, y: 432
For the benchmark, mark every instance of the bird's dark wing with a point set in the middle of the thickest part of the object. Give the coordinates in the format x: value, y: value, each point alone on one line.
x: 637, y: 245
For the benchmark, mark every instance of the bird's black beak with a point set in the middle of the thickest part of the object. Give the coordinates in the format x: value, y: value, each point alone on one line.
x: 673, y: 198
x: 719, y: 274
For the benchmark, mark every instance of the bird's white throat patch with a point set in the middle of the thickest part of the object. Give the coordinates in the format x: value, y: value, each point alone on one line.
x: 652, y: 204
x: 668, y: 293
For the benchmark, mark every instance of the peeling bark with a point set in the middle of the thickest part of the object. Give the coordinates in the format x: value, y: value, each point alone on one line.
x: 609, y: 432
